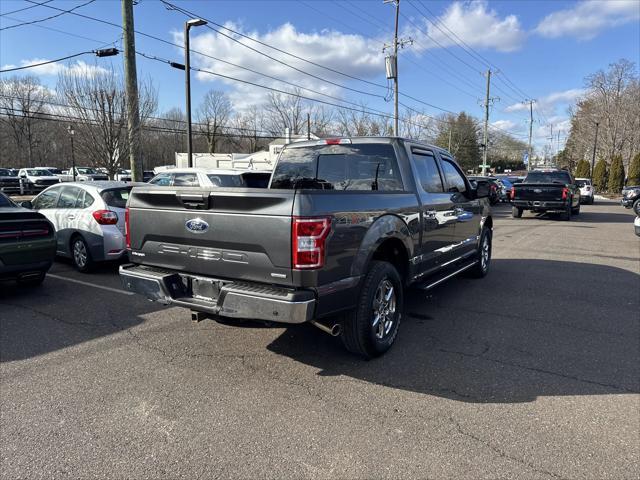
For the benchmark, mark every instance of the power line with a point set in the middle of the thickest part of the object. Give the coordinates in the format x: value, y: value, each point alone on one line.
x: 194, y: 15
x: 48, y: 18
x: 45, y: 63
x: 24, y: 8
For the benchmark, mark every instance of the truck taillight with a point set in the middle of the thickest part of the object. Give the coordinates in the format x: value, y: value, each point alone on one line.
x: 308, y: 237
x: 512, y: 194
x: 127, y: 235
x: 565, y: 193
x: 105, y: 217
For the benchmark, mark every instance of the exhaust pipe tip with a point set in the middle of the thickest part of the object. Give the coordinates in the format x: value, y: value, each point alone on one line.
x: 334, y: 330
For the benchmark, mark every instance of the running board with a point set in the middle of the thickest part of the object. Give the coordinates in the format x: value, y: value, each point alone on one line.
x: 431, y: 283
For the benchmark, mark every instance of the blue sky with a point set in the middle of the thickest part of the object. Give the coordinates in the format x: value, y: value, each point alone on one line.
x: 544, y: 48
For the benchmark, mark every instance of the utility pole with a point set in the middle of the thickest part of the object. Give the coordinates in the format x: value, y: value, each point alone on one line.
x: 530, y: 151
x: 593, y: 157
x: 550, y: 138
x: 72, y: 132
x: 392, y: 65
x: 308, y: 126
x: 194, y: 22
x: 450, y: 130
x: 131, y: 90
x: 487, y: 102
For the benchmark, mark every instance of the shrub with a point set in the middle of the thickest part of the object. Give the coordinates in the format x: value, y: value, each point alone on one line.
x: 634, y: 171
x: 600, y: 174
x: 583, y: 169
x: 616, y: 175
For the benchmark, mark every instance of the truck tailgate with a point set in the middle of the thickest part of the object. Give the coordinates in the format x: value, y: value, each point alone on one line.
x: 242, y: 234
x: 539, y: 191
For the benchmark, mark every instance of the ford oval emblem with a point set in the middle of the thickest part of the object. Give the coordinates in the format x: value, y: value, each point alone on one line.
x: 196, y: 225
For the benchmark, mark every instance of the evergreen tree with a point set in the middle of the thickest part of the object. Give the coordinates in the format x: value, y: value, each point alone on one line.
x: 616, y: 175
x: 600, y: 174
x: 583, y: 169
x: 464, y: 139
x: 634, y: 171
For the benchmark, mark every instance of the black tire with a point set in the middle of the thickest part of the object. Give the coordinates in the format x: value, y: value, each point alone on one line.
x: 361, y: 334
x: 636, y: 207
x: 566, y: 215
x: 576, y: 211
x: 516, y: 212
x: 81, y: 255
x: 483, y: 255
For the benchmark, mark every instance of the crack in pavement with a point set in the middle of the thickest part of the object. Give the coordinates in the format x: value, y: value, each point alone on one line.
x: 501, y: 453
x: 50, y: 316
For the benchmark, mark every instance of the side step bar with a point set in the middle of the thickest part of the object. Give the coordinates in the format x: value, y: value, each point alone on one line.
x: 434, y: 282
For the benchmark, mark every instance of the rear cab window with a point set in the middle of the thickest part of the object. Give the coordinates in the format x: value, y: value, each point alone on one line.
x: 560, y: 177
x: 346, y: 167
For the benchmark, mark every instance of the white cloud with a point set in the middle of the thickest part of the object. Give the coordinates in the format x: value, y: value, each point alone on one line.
x: 505, y: 125
x: 52, y: 69
x: 351, y: 54
x: 475, y: 24
x: 548, y: 104
x: 585, y: 20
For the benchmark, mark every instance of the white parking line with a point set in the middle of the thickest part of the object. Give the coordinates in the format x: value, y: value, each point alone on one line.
x: 87, y: 284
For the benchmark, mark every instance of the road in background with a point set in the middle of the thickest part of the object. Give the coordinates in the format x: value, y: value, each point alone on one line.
x: 532, y: 372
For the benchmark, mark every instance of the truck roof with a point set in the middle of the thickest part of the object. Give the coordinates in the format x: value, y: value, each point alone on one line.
x: 365, y: 139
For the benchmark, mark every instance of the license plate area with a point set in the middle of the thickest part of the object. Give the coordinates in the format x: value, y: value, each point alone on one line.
x: 205, y: 288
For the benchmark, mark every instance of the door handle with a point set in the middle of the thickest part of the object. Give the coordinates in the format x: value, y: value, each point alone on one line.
x: 71, y: 217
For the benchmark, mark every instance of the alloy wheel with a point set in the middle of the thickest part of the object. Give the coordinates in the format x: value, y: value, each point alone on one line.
x: 384, y: 309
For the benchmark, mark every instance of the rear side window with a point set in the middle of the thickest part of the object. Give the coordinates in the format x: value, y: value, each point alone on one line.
x: 428, y: 172
x: 116, y: 198
x: 85, y: 200
x: 256, y: 180
x: 455, y: 180
x: 221, y: 180
x: 339, y: 167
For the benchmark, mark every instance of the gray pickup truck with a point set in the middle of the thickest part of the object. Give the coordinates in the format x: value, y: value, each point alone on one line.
x: 343, y: 228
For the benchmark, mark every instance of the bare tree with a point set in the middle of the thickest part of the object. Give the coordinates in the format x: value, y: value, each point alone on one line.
x: 97, y: 100
x: 213, y: 115
x: 613, y: 101
x: 284, y: 111
x: 23, y: 100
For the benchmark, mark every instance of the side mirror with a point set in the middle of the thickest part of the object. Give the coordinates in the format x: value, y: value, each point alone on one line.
x: 482, y: 189
x: 27, y: 204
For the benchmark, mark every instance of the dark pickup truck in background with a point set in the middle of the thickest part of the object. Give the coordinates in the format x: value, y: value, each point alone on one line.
x: 344, y: 226
x: 546, y: 191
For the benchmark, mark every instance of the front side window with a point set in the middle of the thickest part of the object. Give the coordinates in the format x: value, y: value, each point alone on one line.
x: 428, y: 173
x: 86, y: 171
x: 453, y: 177
x: 185, y: 180
x: 222, y: 180
x: 68, y: 197
x: 162, y: 180
x: 47, y: 199
x: 339, y: 167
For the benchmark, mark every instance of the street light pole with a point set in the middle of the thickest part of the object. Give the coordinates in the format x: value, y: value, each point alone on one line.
x: 72, y: 132
x: 196, y: 22
x: 593, y: 157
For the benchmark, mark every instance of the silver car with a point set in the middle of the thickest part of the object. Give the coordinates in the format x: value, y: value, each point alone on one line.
x: 88, y: 218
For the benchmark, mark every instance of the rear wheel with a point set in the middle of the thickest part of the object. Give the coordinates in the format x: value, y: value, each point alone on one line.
x: 576, y: 211
x: 80, y: 255
x: 372, y: 328
x: 636, y: 207
x: 516, y: 212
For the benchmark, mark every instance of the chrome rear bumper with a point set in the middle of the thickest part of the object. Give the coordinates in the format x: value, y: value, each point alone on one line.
x: 219, y: 297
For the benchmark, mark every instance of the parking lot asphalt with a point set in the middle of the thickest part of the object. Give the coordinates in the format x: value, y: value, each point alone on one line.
x: 532, y: 372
